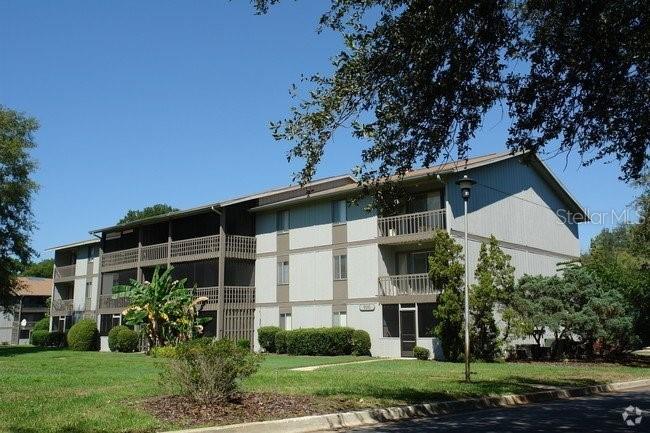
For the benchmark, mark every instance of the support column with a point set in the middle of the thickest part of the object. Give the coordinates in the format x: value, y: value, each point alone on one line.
x: 139, y: 269
x: 169, y: 243
x: 222, y: 271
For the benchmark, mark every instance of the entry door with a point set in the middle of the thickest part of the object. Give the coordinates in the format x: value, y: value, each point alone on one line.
x: 407, y: 332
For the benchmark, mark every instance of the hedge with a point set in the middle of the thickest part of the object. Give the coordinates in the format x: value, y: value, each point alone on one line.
x: 281, y: 341
x: 421, y: 353
x: 38, y: 337
x: 84, y: 336
x: 266, y: 337
x: 320, y: 341
x: 48, y: 339
x: 56, y: 339
x: 42, y: 325
x: 123, y: 339
x: 360, y: 343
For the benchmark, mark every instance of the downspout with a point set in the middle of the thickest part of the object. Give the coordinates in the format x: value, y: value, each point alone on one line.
x: 222, y: 270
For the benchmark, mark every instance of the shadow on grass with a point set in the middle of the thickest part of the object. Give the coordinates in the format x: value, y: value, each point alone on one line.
x: 23, y: 350
x: 458, y: 389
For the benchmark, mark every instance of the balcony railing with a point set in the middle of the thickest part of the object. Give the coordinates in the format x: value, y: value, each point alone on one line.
x: 212, y: 293
x: 413, y: 226
x: 233, y: 295
x: 409, y: 284
x: 206, y: 247
x: 62, y: 307
x: 107, y: 302
x: 63, y: 272
x: 120, y: 259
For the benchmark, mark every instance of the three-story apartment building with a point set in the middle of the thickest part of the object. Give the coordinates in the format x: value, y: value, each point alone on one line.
x: 304, y: 257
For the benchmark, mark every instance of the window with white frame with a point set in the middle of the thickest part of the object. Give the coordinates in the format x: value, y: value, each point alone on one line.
x: 341, y: 267
x: 339, y: 318
x: 339, y: 212
x: 282, y: 221
x: 283, y: 272
x: 285, y: 321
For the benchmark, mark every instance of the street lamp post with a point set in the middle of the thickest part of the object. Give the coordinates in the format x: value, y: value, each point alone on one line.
x: 465, y: 185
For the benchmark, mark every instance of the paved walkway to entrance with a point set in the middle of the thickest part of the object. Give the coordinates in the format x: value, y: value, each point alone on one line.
x: 317, y: 367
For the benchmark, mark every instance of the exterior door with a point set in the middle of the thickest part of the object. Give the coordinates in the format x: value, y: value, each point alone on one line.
x: 407, y: 332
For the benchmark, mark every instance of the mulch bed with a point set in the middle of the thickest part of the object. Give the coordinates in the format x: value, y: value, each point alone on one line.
x: 247, y: 407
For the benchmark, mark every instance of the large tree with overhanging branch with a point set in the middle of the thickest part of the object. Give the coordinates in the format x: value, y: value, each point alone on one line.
x: 417, y: 77
x: 16, y: 191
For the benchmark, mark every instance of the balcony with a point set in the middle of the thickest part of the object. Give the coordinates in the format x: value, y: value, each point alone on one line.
x: 106, y: 302
x: 410, y: 227
x: 406, y: 285
x: 206, y: 247
x: 235, y: 296
x: 62, y: 307
x: 64, y: 273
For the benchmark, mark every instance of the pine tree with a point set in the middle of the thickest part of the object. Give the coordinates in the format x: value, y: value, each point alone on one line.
x: 493, y: 290
x: 446, y: 271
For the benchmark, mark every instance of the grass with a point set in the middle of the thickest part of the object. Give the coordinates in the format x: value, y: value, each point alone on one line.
x: 63, y: 391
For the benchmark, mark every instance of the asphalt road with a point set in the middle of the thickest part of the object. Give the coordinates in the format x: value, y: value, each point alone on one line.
x: 594, y: 414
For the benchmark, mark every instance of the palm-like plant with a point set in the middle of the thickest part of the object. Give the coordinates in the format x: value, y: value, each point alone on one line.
x: 165, y: 308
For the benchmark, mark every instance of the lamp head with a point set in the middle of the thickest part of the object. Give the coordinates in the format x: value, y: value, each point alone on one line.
x: 465, y: 184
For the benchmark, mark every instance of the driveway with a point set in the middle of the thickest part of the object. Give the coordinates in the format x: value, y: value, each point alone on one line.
x: 594, y: 414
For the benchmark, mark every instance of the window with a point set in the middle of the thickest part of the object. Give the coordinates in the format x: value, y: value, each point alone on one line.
x: 413, y: 262
x: 282, y: 221
x: 341, y: 267
x: 425, y: 320
x: 285, y: 321
x: 108, y: 322
x: 283, y: 272
x: 89, y: 289
x: 339, y: 318
x: 339, y: 211
x: 390, y: 320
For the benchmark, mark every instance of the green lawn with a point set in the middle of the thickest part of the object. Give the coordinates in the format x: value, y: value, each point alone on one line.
x: 63, y: 391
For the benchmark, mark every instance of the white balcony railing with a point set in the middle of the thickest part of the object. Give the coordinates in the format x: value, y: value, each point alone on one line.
x: 419, y: 224
x: 409, y: 284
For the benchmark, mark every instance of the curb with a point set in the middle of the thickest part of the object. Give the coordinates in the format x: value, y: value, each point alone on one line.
x: 369, y: 417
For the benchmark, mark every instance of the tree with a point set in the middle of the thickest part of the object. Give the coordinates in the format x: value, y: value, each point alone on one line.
x: 495, y: 277
x: 165, y: 307
x: 416, y: 78
x: 42, y: 269
x: 446, y: 271
x: 620, y: 258
x: 147, y: 212
x: 574, y: 305
x: 16, y: 191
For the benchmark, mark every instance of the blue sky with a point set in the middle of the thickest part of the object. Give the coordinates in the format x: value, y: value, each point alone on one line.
x: 160, y: 101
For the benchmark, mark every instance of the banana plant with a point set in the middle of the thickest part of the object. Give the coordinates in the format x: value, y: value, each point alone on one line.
x: 164, y: 307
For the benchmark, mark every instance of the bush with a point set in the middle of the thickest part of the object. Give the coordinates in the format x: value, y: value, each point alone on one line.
x: 421, y: 353
x: 211, y: 372
x: 244, y: 344
x: 84, y: 336
x: 42, y: 325
x: 48, y: 339
x: 320, y: 341
x: 38, y: 337
x: 164, y: 352
x: 266, y: 337
x: 360, y: 343
x: 123, y: 339
x: 281, y: 341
